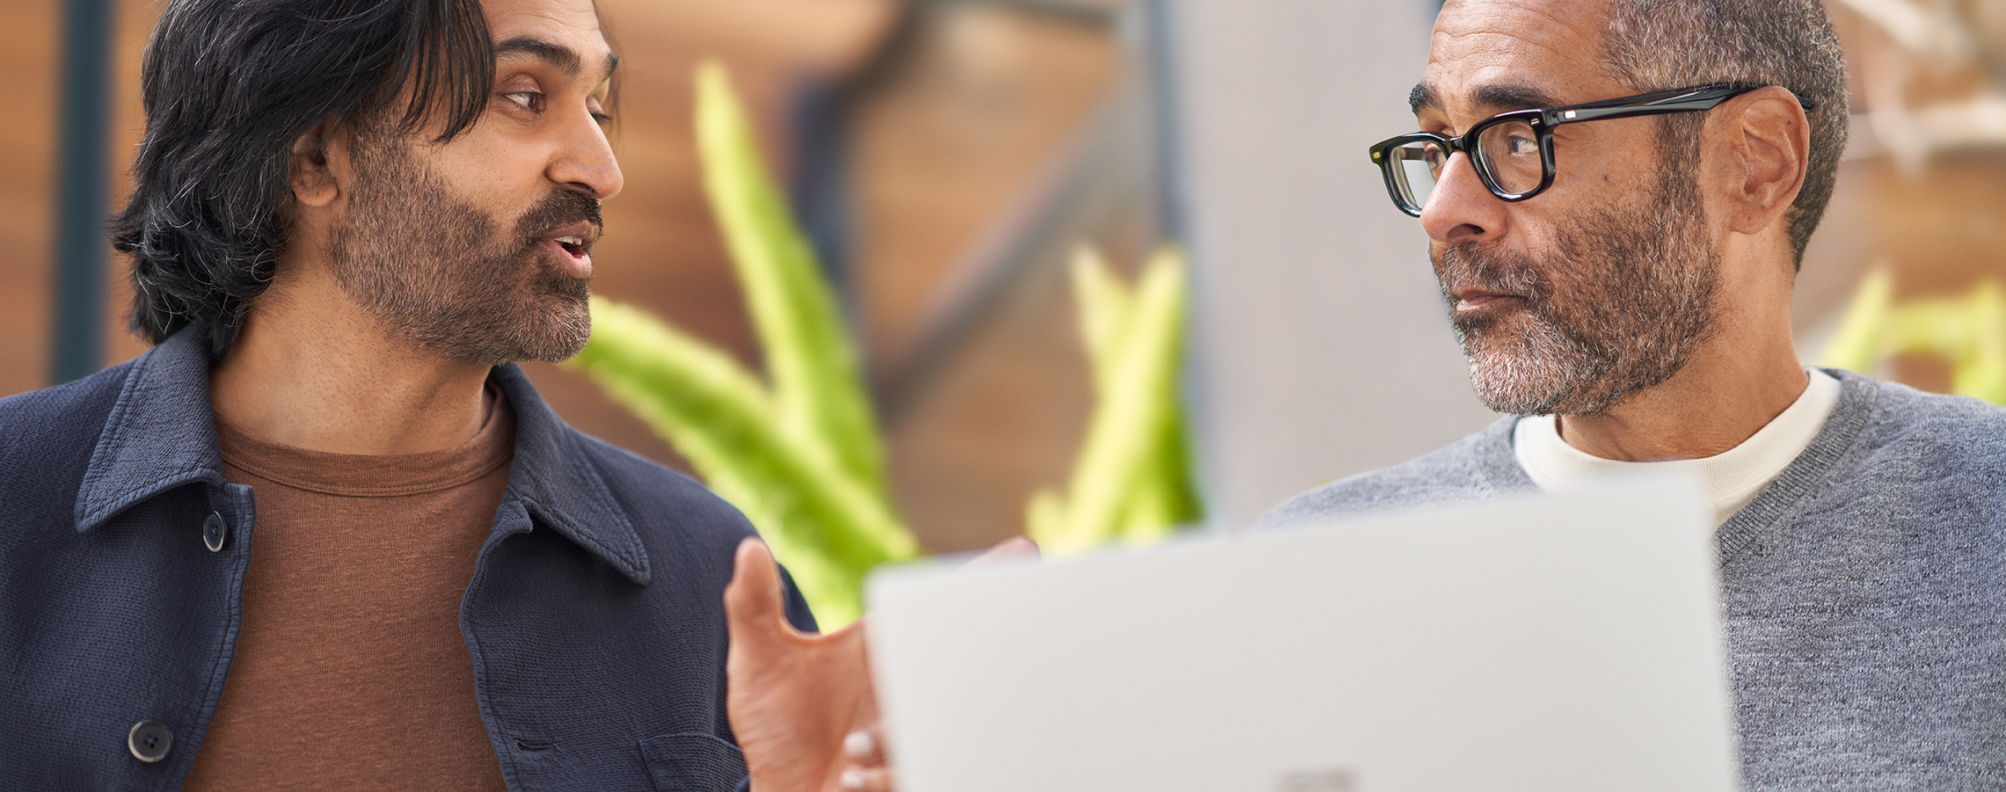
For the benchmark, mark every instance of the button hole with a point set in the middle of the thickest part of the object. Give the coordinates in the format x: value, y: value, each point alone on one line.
x: 534, y: 747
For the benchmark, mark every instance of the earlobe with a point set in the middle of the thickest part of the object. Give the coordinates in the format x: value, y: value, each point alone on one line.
x: 1771, y: 144
x: 313, y: 178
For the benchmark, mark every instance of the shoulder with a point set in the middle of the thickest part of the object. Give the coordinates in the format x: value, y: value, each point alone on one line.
x: 678, y: 520
x: 1953, y: 446
x: 62, y: 407
x: 1904, y: 412
x: 657, y: 497
x: 1478, y: 467
x: 601, y: 489
x: 1922, y: 428
x: 48, y: 433
x: 1888, y: 456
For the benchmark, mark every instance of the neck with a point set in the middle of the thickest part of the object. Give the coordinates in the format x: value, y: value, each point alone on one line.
x: 312, y: 370
x: 1724, y: 395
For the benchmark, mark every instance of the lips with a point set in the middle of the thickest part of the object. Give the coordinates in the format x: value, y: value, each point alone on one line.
x: 1471, y: 299
x: 573, y: 244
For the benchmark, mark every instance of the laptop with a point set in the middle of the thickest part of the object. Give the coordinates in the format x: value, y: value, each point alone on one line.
x: 1566, y: 642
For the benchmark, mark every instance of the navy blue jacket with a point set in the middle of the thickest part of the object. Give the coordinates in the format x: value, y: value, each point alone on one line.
x: 594, y: 617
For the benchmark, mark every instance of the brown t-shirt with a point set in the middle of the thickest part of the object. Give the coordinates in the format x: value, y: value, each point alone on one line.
x: 351, y: 672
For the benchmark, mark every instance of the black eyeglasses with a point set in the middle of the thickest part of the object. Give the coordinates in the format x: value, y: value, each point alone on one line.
x: 1513, y: 152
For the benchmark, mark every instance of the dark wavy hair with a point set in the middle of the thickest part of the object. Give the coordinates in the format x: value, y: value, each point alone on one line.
x: 229, y: 86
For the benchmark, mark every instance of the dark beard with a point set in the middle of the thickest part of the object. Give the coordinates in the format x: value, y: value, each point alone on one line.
x: 1619, y: 307
x: 442, y: 272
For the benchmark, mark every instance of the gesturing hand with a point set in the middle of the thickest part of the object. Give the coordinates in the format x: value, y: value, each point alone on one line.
x: 802, y: 706
x: 793, y: 696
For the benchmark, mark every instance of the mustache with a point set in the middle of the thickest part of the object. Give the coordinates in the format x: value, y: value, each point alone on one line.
x: 561, y: 208
x: 1492, y: 270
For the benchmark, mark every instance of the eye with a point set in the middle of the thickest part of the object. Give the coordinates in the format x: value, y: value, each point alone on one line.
x: 527, y: 100
x: 1523, y: 144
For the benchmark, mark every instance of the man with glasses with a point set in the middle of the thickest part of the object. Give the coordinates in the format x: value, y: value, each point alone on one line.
x: 1618, y: 194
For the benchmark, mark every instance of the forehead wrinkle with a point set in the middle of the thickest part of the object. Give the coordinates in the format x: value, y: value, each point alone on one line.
x: 1506, y: 38
x: 1580, y: 16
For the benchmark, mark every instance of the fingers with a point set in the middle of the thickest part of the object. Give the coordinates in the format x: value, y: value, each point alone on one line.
x: 856, y: 779
x: 1015, y: 548
x: 752, y: 601
x: 865, y: 764
x: 867, y: 769
x: 863, y: 747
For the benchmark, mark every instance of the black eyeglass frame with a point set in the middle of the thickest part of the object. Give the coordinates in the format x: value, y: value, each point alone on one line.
x: 1542, y: 121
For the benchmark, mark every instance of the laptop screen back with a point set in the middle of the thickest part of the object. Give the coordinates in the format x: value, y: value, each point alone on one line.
x: 1563, y: 643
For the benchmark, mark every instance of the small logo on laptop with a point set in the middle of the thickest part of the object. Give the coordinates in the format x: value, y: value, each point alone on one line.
x: 1330, y: 779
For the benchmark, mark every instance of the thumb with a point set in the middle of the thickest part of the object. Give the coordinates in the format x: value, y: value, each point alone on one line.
x: 1013, y: 549
x: 752, y: 606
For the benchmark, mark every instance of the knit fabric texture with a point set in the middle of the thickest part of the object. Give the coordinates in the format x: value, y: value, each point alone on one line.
x: 1864, y: 591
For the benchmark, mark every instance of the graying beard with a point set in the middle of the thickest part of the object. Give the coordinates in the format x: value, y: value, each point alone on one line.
x: 1529, y: 380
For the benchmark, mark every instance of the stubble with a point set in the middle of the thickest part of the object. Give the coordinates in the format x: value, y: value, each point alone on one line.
x: 1620, y: 305
x: 450, y: 277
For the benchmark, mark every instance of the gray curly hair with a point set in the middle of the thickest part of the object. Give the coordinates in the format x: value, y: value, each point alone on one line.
x: 1663, y: 44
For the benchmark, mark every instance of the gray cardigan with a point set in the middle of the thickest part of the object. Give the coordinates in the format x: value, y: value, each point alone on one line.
x: 1864, y: 589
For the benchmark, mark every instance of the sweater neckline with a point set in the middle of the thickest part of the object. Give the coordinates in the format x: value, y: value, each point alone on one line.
x: 1782, y: 499
x: 1812, y: 470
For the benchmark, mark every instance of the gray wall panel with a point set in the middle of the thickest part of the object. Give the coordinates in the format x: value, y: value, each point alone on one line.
x: 1323, y: 349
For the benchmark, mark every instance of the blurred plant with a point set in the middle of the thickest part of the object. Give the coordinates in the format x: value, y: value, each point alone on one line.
x: 801, y: 453
x: 1967, y: 331
x: 1132, y: 481
x: 802, y: 458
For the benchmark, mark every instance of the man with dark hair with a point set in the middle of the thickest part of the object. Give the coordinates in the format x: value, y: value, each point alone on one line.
x: 350, y: 217
x: 1618, y: 194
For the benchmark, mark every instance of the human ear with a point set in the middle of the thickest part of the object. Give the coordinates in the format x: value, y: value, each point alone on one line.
x: 314, y: 177
x: 1768, y: 143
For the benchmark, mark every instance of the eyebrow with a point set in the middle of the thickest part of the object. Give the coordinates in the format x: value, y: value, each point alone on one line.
x: 1513, y: 97
x: 564, y: 58
x: 1489, y: 97
x: 1422, y: 98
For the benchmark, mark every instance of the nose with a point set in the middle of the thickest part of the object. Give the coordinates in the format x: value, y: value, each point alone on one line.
x: 1462, y: 209
x: 584, y: 159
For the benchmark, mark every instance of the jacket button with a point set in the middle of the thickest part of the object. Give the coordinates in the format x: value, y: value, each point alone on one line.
x: 149, y: 741
x: 214, y: 531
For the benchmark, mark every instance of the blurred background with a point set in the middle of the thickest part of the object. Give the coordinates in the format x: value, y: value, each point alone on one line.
x: 947, y: 156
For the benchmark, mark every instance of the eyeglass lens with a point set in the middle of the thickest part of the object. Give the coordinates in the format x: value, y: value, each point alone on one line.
x: 1420, y: 166
x: 1509, y: 151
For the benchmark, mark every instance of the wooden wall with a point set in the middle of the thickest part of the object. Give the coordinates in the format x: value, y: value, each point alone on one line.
x: 990, y: 98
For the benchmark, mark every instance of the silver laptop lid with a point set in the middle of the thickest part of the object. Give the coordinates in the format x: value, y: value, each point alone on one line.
x: 1561, y: 643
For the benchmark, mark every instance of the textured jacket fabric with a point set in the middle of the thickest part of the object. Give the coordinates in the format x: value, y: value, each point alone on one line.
x: 1864, y: 590
x: 594, y: 617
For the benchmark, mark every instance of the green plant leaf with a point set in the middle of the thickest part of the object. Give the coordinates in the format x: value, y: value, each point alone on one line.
x: 1123, y: 483
x: 1863, y: 338
x: 1103, y: 311
x: 1981, y: 373
x: 817, y: 384
x: 1937, y: 327
x: 815, y: 515
x: 1969, y: 332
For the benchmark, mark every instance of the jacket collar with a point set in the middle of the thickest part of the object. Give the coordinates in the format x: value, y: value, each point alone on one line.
x: 161, y: 434
x: 560, y: 485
